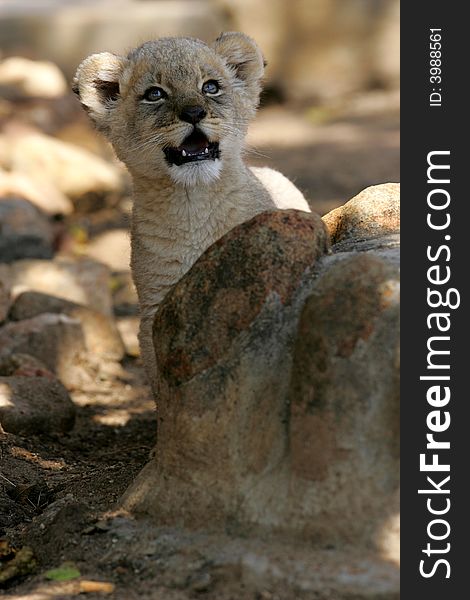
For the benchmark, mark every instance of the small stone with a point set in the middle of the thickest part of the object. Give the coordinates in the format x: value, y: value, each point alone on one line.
x: 344, y: 402
x: 74, y: 171
x: 112, y: 248
x: 100, y: 333
x: 56, y: 340
x: 42, y: 194
x: 81, y: 280
x: 24, y: 231
x: 23, y: 78
x: 375, y: 212
x: 35, y: 405
x: 125, y: 299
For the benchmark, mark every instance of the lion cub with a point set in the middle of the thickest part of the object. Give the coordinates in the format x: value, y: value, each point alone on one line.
x: 176, y: 112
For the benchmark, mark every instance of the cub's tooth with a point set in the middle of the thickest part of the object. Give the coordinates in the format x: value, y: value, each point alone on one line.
x: 206, y: 150
x: 183, y: 152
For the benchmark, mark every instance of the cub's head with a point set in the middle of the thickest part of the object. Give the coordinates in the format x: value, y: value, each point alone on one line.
x: 175, y: 105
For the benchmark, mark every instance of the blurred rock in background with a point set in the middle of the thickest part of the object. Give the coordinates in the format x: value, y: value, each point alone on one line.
x: 67, y: 31
x: 24, y: 78
x: 316, y: 49
x: 323, y: 49
x: 330, y: 109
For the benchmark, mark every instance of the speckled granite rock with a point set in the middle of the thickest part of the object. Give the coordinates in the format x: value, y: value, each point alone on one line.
x: 222, y: 338
x: 344, y: 405
x: 261, y: 261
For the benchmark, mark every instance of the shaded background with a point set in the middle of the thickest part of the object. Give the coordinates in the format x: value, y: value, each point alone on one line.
x: 330, y: 111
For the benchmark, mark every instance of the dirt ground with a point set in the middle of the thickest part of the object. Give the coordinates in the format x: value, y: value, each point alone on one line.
x: 58, y: 494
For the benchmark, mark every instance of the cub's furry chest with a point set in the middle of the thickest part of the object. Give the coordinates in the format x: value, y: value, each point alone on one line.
x: 168, y: 238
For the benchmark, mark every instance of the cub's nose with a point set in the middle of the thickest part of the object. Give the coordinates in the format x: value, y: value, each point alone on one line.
x: 192, y: 114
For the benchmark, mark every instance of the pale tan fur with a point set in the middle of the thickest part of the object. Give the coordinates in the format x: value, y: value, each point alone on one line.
x: 179, y: 211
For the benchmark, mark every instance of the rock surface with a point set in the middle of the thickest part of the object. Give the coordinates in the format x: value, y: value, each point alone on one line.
x: 35, y: 405
x: 266, y: 423
x: 260, y: 263
x: 24, y: 365
x: 344, y: 404
x: 24, y: 231
x: 224, y: 567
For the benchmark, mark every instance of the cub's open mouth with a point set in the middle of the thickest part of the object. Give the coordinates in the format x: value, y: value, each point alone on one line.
x: 195, y: 147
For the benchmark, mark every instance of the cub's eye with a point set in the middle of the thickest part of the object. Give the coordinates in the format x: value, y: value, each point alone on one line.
x: 154, y: 93
x: 210, y: 87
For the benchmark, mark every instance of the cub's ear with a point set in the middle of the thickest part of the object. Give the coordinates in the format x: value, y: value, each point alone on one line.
x: 243, y: 56
x: 96, y: 83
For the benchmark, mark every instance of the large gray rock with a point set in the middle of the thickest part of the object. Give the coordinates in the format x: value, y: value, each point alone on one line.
x: 35, y: 405
x: 222, y: 338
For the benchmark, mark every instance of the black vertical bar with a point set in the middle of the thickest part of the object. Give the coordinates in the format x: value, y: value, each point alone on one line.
x: 429, y: 124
